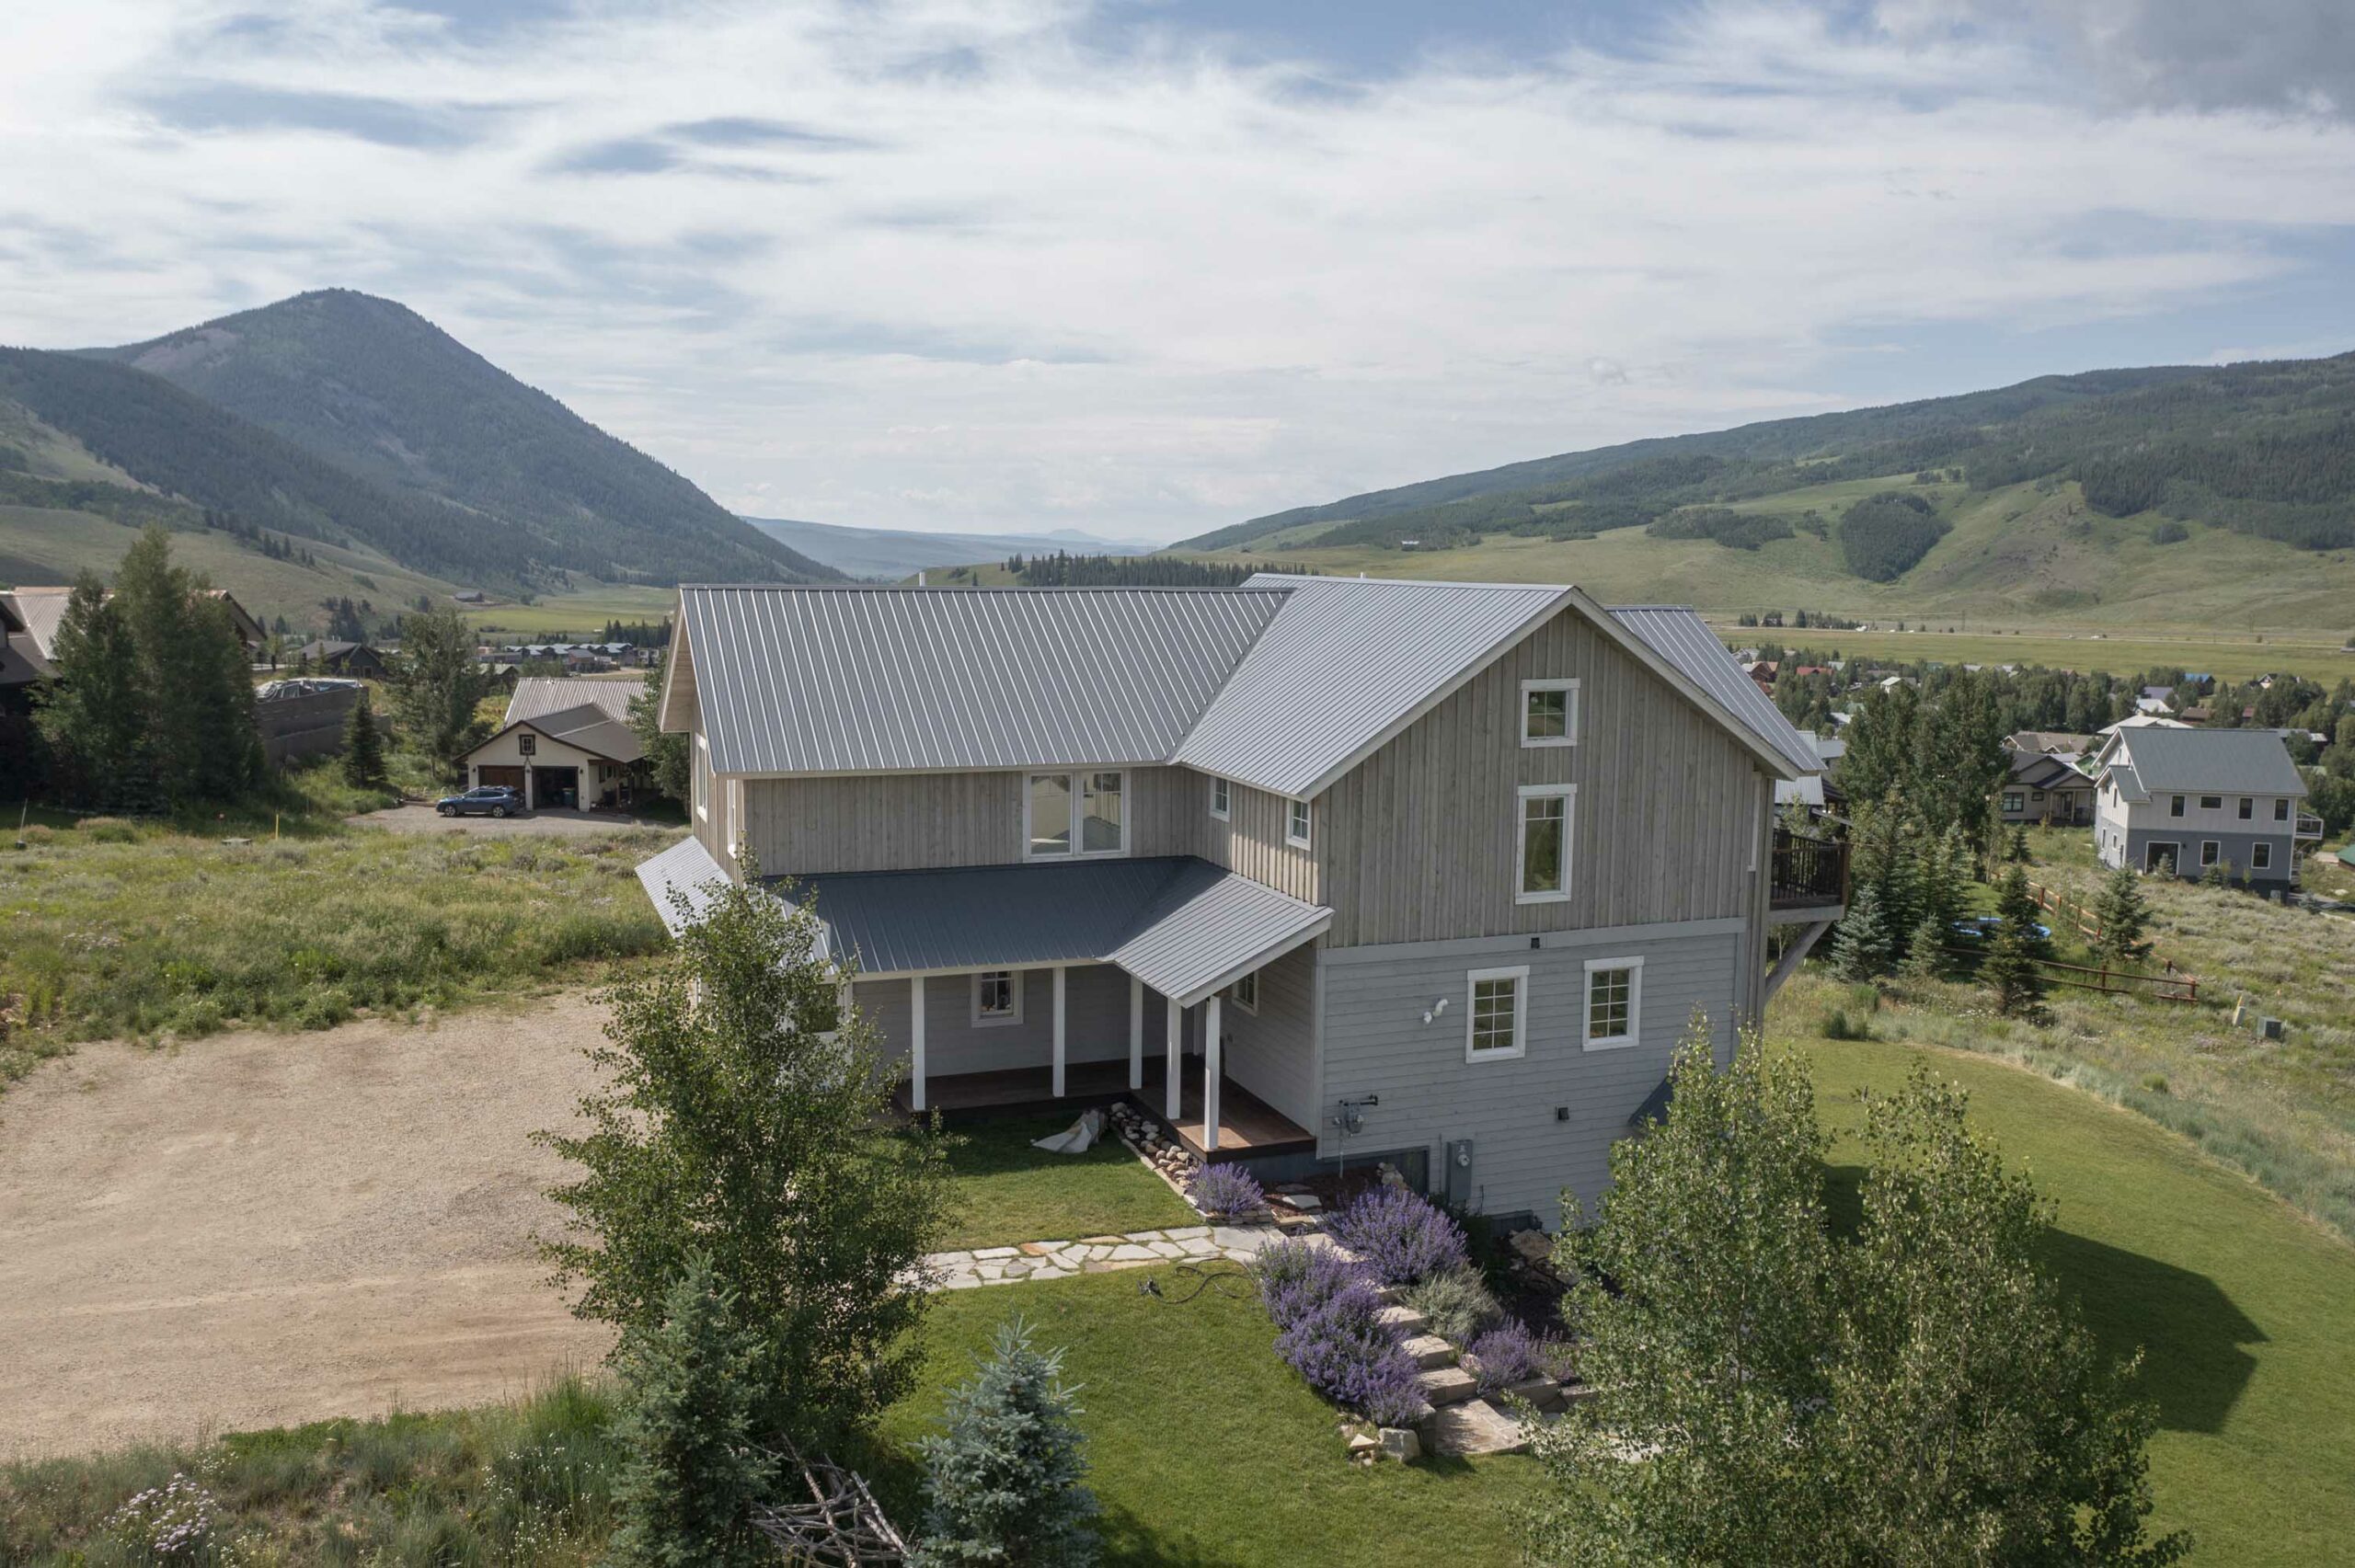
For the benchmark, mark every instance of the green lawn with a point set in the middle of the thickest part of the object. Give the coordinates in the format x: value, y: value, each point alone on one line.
x: 2242, y: 1308
x: 1014, y: 1192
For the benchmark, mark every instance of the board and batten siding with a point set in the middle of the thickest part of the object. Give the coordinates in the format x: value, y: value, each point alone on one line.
x: 924, y: 821
x: 1375, y: 1042
x: 1251, y: 840
x: 1421, y: 841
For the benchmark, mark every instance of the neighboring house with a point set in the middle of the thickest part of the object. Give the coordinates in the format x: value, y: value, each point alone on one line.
x: 355, y: 660
x: 1317, y: 869
x: 566, y: 743
x: 2049, y: 742
x: 2155, y: 700
x: 2047, y: 788
x: 2138, y: 721
x: 2189, y: 800
x: 30, y: 652
x: 1764, y: 671
x: 1815, y: 791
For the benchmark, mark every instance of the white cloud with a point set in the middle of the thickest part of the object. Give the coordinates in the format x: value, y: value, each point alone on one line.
x: 939, y: 265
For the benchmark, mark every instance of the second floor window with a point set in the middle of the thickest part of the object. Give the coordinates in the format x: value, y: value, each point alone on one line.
x: 1549, y: 713
x: 1296, y: 823
x: 1081, y: 813
x: 1493, y: 1023
x: 1615, y: 1000
x: 2175, y: 805
x: 1544, y: 843
x: 2212, y: 803
x: 1221, y: 801
x: 2282, y: 810
x: 2249, y: 807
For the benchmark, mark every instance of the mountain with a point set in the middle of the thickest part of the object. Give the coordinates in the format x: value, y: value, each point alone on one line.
x: 881, y: 554
x: 2176, y: 495
x: 498, y: 483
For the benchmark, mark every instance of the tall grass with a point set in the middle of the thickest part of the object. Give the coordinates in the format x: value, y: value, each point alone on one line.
x: 151, y: 928
x: 524, y: 1482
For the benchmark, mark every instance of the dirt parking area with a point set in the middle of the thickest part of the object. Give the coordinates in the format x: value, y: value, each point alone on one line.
x: 425, y: 819
x: 259, y: 1228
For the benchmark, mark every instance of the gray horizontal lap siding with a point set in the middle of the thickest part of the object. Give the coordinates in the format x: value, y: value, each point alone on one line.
x: 1095, y: 1000
x: 1273, y: 1054
x: 2234, y: 849
x: 1377, y: 1043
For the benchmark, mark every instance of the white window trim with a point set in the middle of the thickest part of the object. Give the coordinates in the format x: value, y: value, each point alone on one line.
x: 735, y: 799
x: 2176, y: 807
x: 703, y: 778
x: 1072, y: 777
x: 2175, y: 859
x: 2206, y: 860
x: 1518, y: 975
x: 2261, y: 848
x: 1222, y: 799
x: 1634, y: 1004
x: 1522, y: 796
x: 1296, y: 810
x: 1569, y: 735
x: 1014, y: 989
x: 1234, y: 993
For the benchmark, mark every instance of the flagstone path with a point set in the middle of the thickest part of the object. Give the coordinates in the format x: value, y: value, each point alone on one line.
x: 1096, y: 1254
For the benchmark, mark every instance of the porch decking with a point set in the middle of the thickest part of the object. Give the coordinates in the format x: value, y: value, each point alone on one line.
x: 1248, y: 1126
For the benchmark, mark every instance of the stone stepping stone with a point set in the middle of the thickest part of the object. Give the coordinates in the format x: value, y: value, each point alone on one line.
x: 1447, y: 1385
x: 1406, y: 1319
x: 1430, y: 1351
x: 1543, y: 1393
x: 1473, y: 1426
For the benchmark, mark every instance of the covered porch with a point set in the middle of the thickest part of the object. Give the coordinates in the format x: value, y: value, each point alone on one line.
x: 1248, y: 1126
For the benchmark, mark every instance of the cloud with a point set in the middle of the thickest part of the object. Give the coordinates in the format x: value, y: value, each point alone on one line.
x: 1140, y: 283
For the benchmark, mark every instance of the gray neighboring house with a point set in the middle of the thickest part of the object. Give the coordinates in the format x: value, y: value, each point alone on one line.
x: 2189, y: 799
x: 1313, y: 869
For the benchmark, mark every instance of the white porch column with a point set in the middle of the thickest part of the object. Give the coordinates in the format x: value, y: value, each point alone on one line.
x: 915, y: 1042
x: 1172, y: 1099
x: 1059, y: 1031
x: 1136, y: 1033
x: 1210, y: 1073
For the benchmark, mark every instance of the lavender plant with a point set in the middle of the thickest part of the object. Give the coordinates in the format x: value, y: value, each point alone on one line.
x: 1401, y: 1237
x: 1510, y: 1354
x: 1327, y: 1314
x: 1220, y: 1190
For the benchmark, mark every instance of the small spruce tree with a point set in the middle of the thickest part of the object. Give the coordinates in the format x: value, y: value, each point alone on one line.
x: 2010, y: 972
x: 1861, y: 950
x: 1925, y: 956
x: 364, y: 747
x: 2123, y: 917
x: 2020, y: 845
x: 692, y: 1474
x: 2020, y: 913
x: 1005, y: 1480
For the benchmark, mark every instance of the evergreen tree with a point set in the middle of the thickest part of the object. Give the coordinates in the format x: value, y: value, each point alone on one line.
x: 2123, y: 917
x: 2020, y: 845
x: 2020, y: 913
x: 363, y: 747
x: 666, y: 753
x: 1003, y: 1483
x: 93, y: 715
x: 1860, y: 951
x: 693, y: 1468
x: 1925, y: 957
x: 438, y: 686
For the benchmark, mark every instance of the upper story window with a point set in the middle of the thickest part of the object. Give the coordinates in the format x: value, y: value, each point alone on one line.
x: 1222, y: 799
x: 2281, y: 809
x: 1296, y: 823
x: 1075, y: 813
x: 1614, y: 1002
x: 2175, y: 805
x: 1244, y: 992
x: 702, y: 772
x: 1544, y: 843
x: 1549, y: 713
x: 2249, y: 807
x: 1495, y: 1022
x: 2212, y: 803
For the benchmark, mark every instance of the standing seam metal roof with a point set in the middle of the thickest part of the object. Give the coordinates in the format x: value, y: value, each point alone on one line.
x: 538, y: 694
x: 1685, y: 640
x: 886, y: 679
x: 2228, y: 761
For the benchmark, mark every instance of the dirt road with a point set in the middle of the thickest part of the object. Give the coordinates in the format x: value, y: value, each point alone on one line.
x: 259, y: 1228
x: 578, y: 824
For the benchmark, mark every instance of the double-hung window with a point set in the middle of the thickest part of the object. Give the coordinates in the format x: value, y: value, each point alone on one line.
x: 1244, y: 992
x: 1496, y: 1020
x: 2260, y: 856
x: 2281, y: 809
x: 1544, y: 855
x: 2249, y: 807
x: 1222, y: 799
x: 997, y: 997
x: 1549, y: 713
x: 1614, y: 1002
x: 1075, y: 814
x: 1296, y: 823
x: 2175, y: 805
x: 2210, y: 851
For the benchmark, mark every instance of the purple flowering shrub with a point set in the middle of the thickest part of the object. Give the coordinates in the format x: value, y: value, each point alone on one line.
x: 1510, y: 1354
x: 1328, y: 1329
x: 1225, y: 1189
x: 1402, y: 1237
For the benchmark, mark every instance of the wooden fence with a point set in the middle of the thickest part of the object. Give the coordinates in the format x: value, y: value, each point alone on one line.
x: 2170, y: 985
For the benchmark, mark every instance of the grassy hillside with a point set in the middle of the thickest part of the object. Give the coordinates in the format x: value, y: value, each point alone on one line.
x: 888, y: 555
x: 528, y: 492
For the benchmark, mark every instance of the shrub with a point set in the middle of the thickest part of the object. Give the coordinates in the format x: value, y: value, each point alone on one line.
x: 1225, y: 1189
x: 1005, y: 1480
x: 107, y: 830
x: 1510, y: 1354
x: 1327, y: 1315
x: 1838, y: 1026
x: 1401, y: 1236
x: 1456, y: 1301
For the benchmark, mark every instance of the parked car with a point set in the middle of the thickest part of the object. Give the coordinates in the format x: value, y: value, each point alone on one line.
x: 1983, y: 928
x: 491, y: 800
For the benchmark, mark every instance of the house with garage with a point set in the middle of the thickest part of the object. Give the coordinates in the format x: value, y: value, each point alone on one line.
x: 2187, y: 801
x: 1314, y: 870
x: 565, y: 744
x: 2044, y: 788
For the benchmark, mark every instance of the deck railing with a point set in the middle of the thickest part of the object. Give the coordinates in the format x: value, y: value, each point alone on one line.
x: 1807, y: 872
x: 2308, y: 826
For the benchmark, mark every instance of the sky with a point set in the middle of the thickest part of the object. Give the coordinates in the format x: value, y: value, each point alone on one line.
x: 1146, y: 268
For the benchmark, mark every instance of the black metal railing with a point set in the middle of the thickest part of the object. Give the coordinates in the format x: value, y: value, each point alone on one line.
x: 1807, y: 872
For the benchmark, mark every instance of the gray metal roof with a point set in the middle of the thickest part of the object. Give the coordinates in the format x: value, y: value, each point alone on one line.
x: 687, y: 867
x: 41, y: 609
x: 2214, y: 762
x: 537, y: 695
x: 1685, y: 640
x: 800, y: 679
x: 1348, y: 663
x: 1181, y: 925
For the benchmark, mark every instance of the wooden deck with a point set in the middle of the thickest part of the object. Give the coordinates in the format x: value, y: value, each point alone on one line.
x: 1248, y: 1125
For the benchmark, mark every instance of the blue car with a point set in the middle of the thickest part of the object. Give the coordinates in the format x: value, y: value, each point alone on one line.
x: 489, y: 800
x: 1983, y: 928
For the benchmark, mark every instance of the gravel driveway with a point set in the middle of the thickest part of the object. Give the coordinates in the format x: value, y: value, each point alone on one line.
x: 425, y: 819
x: 259, y: 1228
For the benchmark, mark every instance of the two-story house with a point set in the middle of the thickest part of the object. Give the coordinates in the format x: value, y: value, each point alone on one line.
x: 2186, y: 800
x: 1314, y: 869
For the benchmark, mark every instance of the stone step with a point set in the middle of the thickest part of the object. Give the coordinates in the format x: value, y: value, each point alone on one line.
x: 1543, y: 1393
x: 1473, y: 1426
x: 1429, y: 1351
x: 1447, y: 1385
x: 1406, y: 1319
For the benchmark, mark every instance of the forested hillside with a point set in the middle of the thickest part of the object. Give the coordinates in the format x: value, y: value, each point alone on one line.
x: 2265, y: 450
x: 483, y: 479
